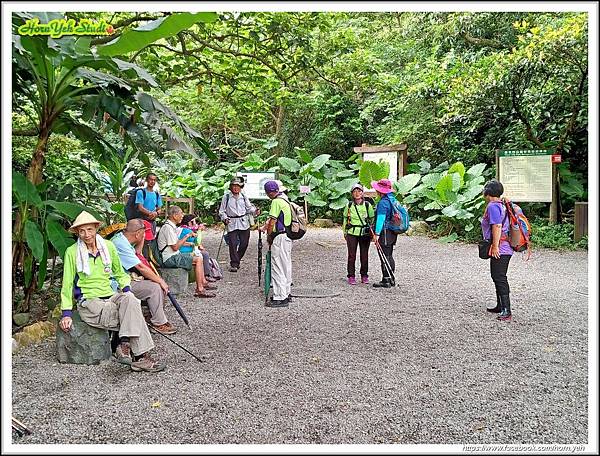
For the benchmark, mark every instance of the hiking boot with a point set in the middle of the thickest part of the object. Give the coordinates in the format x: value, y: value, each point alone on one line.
x: 498, y: 307
x: 123, y: 353
x: 385, y: 283
x: 364, y: 279
x: 505, y: 313
x: 277, y: 303
x: 147, y: 364
x: 351, y: 281
x: 166, y: 328
x: 233, y: 269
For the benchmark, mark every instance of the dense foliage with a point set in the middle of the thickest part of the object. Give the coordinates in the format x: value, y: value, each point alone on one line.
x: 199, y: 97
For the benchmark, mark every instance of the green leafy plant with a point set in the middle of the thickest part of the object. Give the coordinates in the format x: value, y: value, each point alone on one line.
x: 447, y: 195
x: 38, y: 234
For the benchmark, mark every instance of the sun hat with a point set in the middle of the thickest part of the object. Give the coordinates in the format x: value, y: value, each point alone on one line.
x: 282, y: 188
x: 271, y: 186
x: 382, y: 186
x: 148, y: 234
x: 357, y: 186
x: 85, y: 218
x: 238, y: 180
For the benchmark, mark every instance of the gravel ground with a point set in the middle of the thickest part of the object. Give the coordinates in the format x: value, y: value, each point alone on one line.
x: 419, y: 364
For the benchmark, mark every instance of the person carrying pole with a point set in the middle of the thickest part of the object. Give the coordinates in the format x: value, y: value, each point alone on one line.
x: 384, y: 238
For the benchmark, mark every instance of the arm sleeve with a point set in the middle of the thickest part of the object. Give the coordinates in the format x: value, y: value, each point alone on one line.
x: 66, y: 291
x: 223, y: 208
x: 119, y: 273
x: 139, y: 197
x: 250, y: 208
x: 345, y: 219
x: 495, y: 213
x: 379, y: 223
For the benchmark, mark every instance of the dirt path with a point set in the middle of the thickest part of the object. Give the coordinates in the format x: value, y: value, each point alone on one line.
x: 422, y: 363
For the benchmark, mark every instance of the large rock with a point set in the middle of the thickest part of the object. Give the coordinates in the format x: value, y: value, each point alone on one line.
x: 323, y: 223
x: 418, y: 227
x: 83, y: 344
x: 177, y: 278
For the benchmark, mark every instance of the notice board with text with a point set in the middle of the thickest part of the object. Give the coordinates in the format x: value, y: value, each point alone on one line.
x: 526, y: 175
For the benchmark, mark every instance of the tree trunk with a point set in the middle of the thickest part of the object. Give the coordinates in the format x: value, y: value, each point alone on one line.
x: 278, y: 126
x: 36, y: 167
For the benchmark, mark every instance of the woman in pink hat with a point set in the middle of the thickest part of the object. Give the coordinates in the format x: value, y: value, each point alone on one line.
x: 386, y: 238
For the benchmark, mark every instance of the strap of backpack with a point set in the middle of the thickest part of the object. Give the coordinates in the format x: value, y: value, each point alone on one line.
x: 362, y: 224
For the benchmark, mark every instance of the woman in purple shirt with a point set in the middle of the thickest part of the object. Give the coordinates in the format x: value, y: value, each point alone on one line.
x: 495, y: 226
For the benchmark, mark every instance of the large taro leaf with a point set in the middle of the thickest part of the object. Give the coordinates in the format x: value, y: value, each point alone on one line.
x: 406, y: 183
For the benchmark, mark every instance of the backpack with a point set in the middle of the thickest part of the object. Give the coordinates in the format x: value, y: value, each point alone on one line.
x: 519, y: 231
x: 216, y: 271
x: 399, y: 222
x: 297, y: 228
x: 131, y: 209
x: 152, y: 253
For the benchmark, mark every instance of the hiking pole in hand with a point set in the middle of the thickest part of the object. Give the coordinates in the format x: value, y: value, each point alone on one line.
x: 174, y: 301
x: 260, y: 247
x: 383, y: 258
x: 168, y: 338
x: 221, y: 243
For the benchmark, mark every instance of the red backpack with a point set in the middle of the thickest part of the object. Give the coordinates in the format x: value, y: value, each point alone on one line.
x: 519, y: 232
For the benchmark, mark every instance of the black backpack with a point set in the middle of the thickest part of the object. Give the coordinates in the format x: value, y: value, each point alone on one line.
x: 131, y: 209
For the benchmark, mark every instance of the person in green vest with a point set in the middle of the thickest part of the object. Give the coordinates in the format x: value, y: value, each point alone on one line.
x: 358, y: 216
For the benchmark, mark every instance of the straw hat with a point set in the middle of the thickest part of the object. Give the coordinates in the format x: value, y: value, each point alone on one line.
x: 85, y: 218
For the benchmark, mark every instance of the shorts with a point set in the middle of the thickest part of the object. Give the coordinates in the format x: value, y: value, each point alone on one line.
x: 179, y: 260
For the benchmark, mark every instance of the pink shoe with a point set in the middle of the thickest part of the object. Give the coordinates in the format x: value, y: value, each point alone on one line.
x: 351, y: 281
x: 364, y: 279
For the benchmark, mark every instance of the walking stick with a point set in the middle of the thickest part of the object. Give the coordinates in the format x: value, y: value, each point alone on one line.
x: 168, y: 338
x: 383, y: 258
x: 221, y: 243
x: 260, y: 247
x: 173, y: 301
x: 19, y: 427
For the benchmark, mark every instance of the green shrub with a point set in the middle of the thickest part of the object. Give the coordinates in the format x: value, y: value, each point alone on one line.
x: 555, y: 236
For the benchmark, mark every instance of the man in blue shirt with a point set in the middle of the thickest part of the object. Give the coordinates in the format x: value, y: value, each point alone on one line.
x: 148, y: 201
x: 145, y: 283
x: 150, y: 205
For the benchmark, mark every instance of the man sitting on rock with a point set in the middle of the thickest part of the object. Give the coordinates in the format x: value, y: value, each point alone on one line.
x: 145, y: 283
x: 88, y: 268
x: 169, y: 244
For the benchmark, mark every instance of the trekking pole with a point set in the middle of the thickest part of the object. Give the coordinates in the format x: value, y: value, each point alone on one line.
x: 168, y: 338
x: 383, y: 258
x: 221, y: 243
x: 19, y: 427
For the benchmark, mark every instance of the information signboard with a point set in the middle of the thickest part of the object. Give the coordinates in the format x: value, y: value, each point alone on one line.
x: 526, y: 175
x: 254, y: 184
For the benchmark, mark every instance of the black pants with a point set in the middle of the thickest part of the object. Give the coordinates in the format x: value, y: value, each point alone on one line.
x: 236, y: 253
x: 498, y: 268
x: 353, y: 242
x: 387, y: 241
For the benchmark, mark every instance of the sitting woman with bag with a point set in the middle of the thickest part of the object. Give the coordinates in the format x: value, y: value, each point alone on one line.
x: 357, y: 232
x: 193, y: 245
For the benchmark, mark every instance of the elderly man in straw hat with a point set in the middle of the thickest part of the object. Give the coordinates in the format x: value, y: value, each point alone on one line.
x: 234, y: 211
x: 90, y: 265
